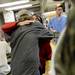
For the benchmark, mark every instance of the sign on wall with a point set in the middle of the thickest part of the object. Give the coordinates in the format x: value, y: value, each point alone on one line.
x: 8, y: 16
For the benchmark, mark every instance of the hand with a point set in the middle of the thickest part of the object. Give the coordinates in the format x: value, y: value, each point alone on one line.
x: 47, y: 73
x: 25, y: 22
x: 53, y: 30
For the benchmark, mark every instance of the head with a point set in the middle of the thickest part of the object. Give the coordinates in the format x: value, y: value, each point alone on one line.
x: 34, y: 17
x: 59, y: 10
x: 73, y: 1
x: 37, y: 17
x: 71, y: 17
x: 24, y: 15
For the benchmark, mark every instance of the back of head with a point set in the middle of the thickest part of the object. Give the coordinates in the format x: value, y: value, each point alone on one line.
x: 73, y: 1
x: 24, y: 15
x: 71, y: 14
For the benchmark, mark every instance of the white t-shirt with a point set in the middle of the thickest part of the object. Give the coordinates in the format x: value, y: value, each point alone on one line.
x: 4, y: 49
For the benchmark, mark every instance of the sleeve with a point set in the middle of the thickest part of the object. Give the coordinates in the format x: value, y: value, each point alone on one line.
x: 8, y: 26
x: 50, y: 24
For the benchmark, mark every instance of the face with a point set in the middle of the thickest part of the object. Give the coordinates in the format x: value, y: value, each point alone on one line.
x: 34, y: 17
x: 59, y: 11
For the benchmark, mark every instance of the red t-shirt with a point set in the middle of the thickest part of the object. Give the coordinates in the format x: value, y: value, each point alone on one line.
x: 45, y: 53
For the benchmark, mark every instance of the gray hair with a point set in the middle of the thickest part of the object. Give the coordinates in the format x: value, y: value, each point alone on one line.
x: 24, y: 14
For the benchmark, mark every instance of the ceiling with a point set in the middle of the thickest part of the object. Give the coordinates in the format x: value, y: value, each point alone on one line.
x: 36, y: 4
x: 5, y: 1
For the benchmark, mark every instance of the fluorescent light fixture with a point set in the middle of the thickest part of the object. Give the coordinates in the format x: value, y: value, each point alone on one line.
x: 18, y: 7
x: 14, y: 3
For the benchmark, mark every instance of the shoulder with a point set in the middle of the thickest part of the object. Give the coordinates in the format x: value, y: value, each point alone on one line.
x: 3, y: 43
x: 64, y: 16
x: 53, y: 18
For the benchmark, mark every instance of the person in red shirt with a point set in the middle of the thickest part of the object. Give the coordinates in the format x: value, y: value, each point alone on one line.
x: 45, y: 54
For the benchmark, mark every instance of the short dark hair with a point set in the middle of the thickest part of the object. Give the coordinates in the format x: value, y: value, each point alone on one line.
x: 39, y: 18
x: 60, y: 5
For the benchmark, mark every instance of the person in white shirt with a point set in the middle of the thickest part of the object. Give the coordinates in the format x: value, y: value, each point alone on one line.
x: 4, y: 49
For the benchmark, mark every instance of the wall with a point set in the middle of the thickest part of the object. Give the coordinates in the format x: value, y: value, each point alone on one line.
x: 1, y: 19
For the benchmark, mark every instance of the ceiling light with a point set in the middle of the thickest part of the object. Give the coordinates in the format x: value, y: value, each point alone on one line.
x: 18, y: 7
x: 13, y: 3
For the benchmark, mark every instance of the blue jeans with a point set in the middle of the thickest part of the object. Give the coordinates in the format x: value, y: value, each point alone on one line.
x: 38, y: 73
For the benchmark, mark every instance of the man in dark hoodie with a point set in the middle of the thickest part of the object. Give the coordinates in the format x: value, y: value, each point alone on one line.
x: 25, y: 47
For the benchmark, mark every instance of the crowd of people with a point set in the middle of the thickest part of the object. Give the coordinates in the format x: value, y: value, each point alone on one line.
x: 30, y: 48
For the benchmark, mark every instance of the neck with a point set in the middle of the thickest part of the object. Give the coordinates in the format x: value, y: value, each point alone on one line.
x: 58, y: 15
